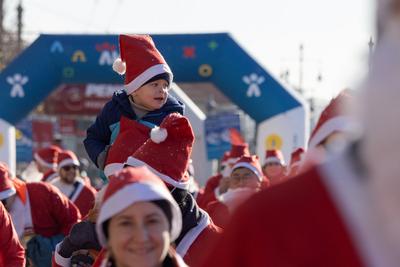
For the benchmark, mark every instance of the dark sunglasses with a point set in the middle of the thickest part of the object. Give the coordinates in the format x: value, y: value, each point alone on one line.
x: 272, y: 164
x: 69, y: 167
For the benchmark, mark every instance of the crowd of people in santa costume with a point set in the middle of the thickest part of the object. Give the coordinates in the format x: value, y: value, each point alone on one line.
x: 335, y: 203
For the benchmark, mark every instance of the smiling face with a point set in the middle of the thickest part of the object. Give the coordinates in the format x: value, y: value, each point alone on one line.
x: 139, y: 236
x: 274, y: 171
x: 244, y: 177
x: 152, y: 95
x: 69, y: 173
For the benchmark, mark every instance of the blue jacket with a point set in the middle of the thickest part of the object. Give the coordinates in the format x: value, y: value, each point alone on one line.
x: 106, y: 127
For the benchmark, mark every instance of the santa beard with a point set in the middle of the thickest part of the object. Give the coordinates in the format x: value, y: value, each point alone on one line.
x: 234, y: 197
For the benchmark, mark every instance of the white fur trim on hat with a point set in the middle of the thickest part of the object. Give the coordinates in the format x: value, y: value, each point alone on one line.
x: 339, y: 123
x: 232, y: 160
x: 60, y: 260
x: 67, y: 162
x: 273, y: 160
x: 226, y: 172
x: 112, y: 168
x: 119, y: 66
x: 137, y: 192
x: 250, y: 167
x: 158, y: 134
x: 7, y: 193
x: 147, y: 75
x: 42, y: 162
x: 138, y: 163
x: 51, y: 177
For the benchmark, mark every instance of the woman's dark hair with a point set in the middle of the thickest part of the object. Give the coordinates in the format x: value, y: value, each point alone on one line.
x: 105, y: 228
x: 166, y: 208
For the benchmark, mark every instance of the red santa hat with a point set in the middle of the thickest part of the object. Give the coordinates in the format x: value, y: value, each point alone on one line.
x: 132, y: 185
x: 7, y: 188
x: 131, y: 136
x: 274, y: 156
x: 47, y: 156
x: 334, y: 118
x: 140, y: 61
x: 295, y: 161
x: 252, y: 163
x: 225, y: 157
x: 167, y: 152
x: 67, y: 157
x: 238, y: 150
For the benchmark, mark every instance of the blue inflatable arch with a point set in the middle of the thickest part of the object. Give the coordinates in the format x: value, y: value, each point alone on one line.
x: 52, y: 60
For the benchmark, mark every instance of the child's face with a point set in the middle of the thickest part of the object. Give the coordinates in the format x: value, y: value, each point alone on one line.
x: 152, y: 95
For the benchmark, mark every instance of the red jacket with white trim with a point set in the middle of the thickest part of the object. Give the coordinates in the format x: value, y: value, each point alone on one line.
x: 52, y: 212
x: 291, y: 224
x: 12, y: 254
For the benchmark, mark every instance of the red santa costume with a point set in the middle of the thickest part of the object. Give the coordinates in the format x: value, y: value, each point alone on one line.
x: 167, y: 154
x: 31, y: 211
x: 211, y: 190
x: 81, y: 194
x: 12, y: 254
x: 221, y: 211
x: 318, y: 237
x: 127, y: 187
x: 345, y: 211
x: 335, y: 118
x: 47, y: 158
x: 131, y: 136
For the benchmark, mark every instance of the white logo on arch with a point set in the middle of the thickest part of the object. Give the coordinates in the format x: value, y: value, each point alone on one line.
x: 107, y: 57
x: 17, y: 82
x: 253, y: 81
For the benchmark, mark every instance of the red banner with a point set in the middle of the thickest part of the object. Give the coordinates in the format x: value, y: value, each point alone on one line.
x: 67, y: 126
x: 79, y: 99
x: 42, y: 133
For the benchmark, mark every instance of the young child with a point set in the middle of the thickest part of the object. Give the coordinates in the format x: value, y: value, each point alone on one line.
x: 145, y: 97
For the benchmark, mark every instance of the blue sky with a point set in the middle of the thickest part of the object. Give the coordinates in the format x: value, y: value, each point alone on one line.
x: 334, y: 33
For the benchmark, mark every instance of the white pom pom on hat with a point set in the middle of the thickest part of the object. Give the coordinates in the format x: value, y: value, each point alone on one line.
x: 158, y: 134
x: 119, y: 66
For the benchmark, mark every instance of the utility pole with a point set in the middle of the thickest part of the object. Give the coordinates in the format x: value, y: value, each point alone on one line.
x: 301, y: 60
x: 19, y: 25
x: 371, y: 45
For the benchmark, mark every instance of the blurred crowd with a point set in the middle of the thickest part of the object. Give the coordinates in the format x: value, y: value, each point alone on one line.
x: 333, y: 203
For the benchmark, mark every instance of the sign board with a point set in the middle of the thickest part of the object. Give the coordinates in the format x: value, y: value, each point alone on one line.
x: 80, y: 98
x: 217, y: 133
x: 23, y: 136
